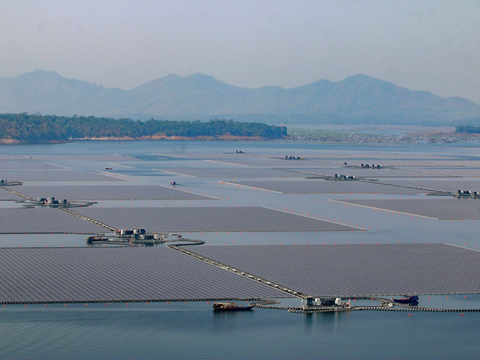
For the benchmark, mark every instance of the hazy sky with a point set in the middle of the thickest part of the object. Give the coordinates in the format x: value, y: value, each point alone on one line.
x: 421, y: 45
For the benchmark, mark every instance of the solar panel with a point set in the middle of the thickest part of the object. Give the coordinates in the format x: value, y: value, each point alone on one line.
x: 474, y: 173
x: 59, y: 175
x: 27, y: 165
x: 117, y: 274
x: 357, y: 270
x: 443, y: 209
x: 365, y: 173
x: 240, y: 172
x: 7, y: 195
x: 82, y: 157
x: 43, y: 220
x: 439, y: 185
x: 115, y: 192
x: 178, y: 219
x: 326, y: 187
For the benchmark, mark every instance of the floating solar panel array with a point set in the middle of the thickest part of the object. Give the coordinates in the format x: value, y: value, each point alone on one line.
x: 326, y: 187
x: 117, y: 274
x: 43, y: 221
x: 261, y: 161
x: 240, y: 172
x: 357, y: 270
x: 345, y: 155
x: 11, y: 157
x: 114, y: 192
x: 28, y: 165
x: 438, y: 185
x: 178, y: 219
x: 81, y: 157
x: 201, y: 156
x: 8, y: 196
x: 59, y: 175
x: 441, y: 209
x: 403, y: 163
x: 385, y: 155
x: 365, y: 173
x: 475, y: 173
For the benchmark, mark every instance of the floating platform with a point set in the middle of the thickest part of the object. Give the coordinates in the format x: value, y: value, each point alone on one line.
x: 357, y: 270
x: 196, y: 219
x: 115, y: 192
x: 81, y: 275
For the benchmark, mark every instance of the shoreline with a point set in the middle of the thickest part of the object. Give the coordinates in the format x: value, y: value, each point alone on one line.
x: 141, y: 138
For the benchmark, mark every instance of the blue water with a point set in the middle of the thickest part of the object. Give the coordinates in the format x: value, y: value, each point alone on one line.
x: 193, y: 330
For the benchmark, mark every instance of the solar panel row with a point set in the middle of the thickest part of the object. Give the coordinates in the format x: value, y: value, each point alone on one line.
x: 59, y: 175
x: 27, y: 165
x: 116, y: 274
x: 208, y: 219
x: 43, y: 220
x: 327, y: 187
x: 443, y: 209
x: 357, y: 270
x: 101, y: 192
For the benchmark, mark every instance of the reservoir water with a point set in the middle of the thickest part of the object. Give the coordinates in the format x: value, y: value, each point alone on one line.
x: 192, y: 330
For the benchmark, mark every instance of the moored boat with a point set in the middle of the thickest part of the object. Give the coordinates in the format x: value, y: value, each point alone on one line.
x: 407, y: 299
x: 97, y: 239
x: 231, y: 306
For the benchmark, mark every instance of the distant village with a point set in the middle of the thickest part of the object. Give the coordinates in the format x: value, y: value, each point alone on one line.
x: 385, y: 138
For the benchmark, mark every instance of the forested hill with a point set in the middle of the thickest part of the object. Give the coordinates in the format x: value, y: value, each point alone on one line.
x: 38, y: 128
x: 359, y: 99
x: 469, y: 129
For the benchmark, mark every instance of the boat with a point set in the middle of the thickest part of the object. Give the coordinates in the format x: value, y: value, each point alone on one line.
x: 231, y: 306
x: 407, y: 299
x: 97, y: 239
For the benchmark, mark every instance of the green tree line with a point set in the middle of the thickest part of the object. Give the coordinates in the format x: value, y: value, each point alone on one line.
x: 467, y: 129
x: 37, y: 128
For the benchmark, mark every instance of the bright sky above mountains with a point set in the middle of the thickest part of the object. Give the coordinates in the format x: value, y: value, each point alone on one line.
x: 421, y: 45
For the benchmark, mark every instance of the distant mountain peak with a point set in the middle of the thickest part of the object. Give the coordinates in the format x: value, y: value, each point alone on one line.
x: 358, y: 99
x: 42, y: 73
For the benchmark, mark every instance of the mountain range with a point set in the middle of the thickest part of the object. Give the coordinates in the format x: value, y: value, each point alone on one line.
x: 358, y: 99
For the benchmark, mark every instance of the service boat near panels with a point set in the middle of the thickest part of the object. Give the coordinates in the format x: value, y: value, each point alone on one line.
x: 407, y: 299
x: 231, y: 306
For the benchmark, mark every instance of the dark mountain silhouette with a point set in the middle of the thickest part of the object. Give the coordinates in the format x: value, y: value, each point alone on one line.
x: 357, y: 99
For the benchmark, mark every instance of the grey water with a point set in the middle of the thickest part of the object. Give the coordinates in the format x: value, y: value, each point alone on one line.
x: 192, y: 330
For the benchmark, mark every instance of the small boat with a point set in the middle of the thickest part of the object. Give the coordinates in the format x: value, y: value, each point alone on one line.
x: 230, y: 306
x: 97, y: 239
x: 407, y: 299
